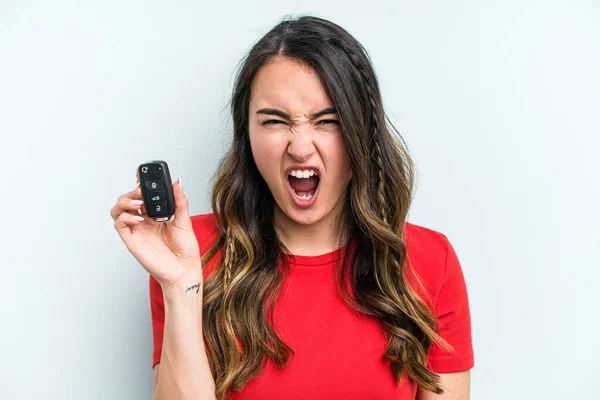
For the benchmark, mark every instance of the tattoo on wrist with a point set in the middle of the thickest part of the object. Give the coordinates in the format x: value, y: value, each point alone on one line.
x: 197, y: 286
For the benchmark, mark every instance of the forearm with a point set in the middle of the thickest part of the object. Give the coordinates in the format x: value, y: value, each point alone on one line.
x: 184, y: 369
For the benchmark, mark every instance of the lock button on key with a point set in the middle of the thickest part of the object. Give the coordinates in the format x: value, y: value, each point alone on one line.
x: 153, y: 185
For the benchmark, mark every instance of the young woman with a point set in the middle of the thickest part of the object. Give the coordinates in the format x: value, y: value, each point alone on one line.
x: 305, y: 281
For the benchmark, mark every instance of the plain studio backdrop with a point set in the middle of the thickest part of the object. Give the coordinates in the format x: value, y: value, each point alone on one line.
x: 498, y: 102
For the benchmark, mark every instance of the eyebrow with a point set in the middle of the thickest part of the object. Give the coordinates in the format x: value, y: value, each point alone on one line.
x: 279, y: 113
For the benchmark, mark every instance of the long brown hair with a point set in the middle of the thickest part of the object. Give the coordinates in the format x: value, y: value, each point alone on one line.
x: 239, y: 295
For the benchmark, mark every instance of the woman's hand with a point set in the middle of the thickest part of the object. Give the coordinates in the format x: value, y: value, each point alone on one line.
x: 167, y: 250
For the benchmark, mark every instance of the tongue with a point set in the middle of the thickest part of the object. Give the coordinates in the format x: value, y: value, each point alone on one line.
x: 303, y: 186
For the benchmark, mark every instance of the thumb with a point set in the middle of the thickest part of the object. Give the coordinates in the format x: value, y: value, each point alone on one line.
x: 181, y: 218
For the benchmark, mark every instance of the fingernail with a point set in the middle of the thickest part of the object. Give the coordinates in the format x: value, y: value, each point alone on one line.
x: 137, y: 202
x: 138, y: 217
x: 138, y: 185
x: 180, y: 185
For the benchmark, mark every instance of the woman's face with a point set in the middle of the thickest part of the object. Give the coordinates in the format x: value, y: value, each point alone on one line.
x: 297, y: 142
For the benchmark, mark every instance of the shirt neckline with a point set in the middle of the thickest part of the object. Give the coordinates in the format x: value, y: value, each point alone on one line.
x: 318, y: 260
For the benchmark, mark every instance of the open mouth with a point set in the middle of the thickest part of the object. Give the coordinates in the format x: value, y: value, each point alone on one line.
x: 304, y: 184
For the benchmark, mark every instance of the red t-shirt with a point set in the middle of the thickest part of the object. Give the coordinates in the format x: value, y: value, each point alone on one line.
x: 338, y: 352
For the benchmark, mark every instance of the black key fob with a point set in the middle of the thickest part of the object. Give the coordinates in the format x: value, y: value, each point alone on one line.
x: 157, y: 190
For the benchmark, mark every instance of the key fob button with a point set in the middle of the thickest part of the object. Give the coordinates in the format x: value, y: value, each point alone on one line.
x: 152, y: 185
x: 160, y: 207
x: 156, y: 197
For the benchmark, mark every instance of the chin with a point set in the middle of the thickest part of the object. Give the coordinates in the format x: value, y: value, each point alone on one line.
x: 305, y: 218
x: 301, y: 217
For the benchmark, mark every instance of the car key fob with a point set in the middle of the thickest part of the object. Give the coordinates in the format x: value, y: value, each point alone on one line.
x: 157, y: 190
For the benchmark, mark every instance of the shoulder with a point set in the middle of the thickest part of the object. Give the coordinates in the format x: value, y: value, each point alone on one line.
x: 426, y: 247
x: 420, y: 237
x: 430, y: 255
x: 207, y: 232
x: 205, y: 228
x: 204, y: 222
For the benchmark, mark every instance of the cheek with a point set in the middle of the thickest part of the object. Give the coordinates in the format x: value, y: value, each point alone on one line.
x: 260, y: 157
x: 267, y: 155
x: 340, y: 160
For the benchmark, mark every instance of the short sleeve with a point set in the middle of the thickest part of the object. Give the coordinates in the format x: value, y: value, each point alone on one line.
x: 454, y: 320
x: 157, y: 313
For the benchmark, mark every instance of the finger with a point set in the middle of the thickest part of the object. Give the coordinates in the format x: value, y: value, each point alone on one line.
x: 142, y: 210
x: 182, y: 213
x: 130, y: 201
x: 123, y: 225
x: 137, y: 194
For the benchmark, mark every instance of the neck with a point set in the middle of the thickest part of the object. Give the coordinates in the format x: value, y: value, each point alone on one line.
x: 309, y: 240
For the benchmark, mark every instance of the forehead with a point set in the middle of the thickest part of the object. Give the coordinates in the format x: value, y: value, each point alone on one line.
x: 289, y: 85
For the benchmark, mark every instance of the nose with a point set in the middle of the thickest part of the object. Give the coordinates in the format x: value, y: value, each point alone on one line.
x: 301, y: 145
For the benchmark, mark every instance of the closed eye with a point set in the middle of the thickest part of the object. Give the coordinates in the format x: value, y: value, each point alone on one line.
x: 328, y: 122
x: 273, y: 122
x: 278, y: 121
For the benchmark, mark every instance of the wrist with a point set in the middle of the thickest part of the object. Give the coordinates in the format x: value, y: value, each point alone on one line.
x: 189, y: 284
